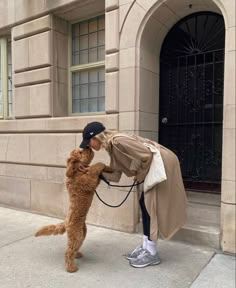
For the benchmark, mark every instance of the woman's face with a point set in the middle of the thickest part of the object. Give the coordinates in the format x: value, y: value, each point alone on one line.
x: 95, y: 144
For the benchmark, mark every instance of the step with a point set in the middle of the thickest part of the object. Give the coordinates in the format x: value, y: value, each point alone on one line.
x: 203, y: 221
x: 199, y: 235
x: 202, y: 214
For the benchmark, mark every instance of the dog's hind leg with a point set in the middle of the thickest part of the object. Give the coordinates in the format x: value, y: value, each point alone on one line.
x: 75, y: 240
x: 79, y: 254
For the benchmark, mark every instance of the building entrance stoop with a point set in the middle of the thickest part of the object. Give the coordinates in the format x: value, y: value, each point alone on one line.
x: 203, y: 221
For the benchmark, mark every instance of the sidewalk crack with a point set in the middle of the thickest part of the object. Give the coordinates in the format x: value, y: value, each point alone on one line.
x: 18, y: 240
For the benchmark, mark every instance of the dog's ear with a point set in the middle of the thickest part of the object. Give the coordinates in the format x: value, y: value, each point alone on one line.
x: 71, y: 167
x: 72, y: 162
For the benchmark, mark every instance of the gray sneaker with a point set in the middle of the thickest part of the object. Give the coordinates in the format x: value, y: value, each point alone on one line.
x: 135, y: 253
x: 145, y: 258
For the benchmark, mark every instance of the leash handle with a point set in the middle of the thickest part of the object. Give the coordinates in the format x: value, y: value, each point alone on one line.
x: 116, y: 206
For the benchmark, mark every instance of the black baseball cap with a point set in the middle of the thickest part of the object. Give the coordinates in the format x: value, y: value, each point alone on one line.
x: 91, y: 130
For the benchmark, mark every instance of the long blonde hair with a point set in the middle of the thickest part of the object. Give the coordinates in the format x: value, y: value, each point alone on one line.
x: 105, y: 137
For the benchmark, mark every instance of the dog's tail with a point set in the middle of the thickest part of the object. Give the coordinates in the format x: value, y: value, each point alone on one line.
x: 51, y: 230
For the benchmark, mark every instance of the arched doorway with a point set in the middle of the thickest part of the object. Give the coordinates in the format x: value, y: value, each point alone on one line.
x: 191, y: 97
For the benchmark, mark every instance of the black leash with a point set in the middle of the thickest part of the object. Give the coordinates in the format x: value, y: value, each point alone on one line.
x: 108, y: 183
x: 121, y: 186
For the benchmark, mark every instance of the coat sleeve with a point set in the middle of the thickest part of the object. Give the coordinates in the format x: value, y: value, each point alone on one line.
x: 140, y: 154
x: 113, y: 177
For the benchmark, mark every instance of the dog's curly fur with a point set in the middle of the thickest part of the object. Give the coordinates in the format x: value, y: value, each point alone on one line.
x: 81, y: 187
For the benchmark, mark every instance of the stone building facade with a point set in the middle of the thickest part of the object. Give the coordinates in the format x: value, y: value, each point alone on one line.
x: 65, y: 63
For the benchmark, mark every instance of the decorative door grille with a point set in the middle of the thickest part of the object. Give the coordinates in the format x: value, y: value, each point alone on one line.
x: 191, y: 98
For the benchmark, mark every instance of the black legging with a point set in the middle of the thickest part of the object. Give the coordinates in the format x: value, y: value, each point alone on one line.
x: 145, y: 217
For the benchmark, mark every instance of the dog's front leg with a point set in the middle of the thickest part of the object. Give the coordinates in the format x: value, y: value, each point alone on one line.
x: 98, y: 168
x: 107, y: 169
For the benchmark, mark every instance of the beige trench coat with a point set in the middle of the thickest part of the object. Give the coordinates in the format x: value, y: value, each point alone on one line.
x: 166, y: 201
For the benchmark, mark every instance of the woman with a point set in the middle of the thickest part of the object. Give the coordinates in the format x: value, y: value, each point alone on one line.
x: 162, y: 202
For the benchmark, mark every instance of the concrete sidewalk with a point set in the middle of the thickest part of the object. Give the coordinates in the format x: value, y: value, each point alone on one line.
x: 26, y: 261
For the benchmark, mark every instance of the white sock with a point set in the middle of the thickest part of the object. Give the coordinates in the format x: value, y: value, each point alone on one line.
x: 151, y: 247
x: 145, y: 239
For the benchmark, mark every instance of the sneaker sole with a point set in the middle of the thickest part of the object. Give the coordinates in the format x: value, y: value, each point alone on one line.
x: 145, y: 265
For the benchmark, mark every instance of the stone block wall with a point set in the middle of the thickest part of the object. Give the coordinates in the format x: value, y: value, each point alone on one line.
x: 33, y: 155
x: 40, y: 68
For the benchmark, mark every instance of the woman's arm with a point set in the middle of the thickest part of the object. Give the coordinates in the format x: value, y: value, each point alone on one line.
x: 140, y: 155
x: 113, y: 177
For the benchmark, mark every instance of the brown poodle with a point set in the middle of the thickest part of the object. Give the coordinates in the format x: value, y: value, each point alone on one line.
x: 81, y: 187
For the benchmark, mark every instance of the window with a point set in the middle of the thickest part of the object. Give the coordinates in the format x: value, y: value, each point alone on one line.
x: 87, y: 68
x: 5, y: 78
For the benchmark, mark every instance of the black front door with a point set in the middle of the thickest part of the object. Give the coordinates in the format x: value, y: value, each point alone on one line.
x: 191, y: 98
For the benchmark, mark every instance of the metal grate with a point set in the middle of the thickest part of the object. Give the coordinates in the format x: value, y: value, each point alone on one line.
x: 191, y: 98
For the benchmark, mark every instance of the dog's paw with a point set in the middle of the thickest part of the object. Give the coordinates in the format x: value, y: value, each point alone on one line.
x: 71, y: 268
